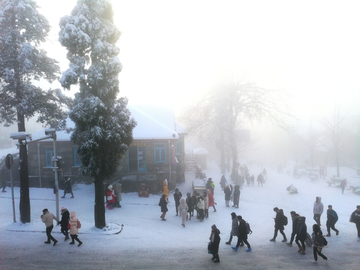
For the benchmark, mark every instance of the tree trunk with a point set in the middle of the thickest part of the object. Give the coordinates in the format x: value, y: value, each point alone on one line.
x: 24, y: 175
x: 99, y: 207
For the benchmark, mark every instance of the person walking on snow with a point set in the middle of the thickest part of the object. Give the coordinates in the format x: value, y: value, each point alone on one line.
x: 295, y: 220
x: 110, y: 197
x: 206, y: 204
x: 318, y: 241
x: 163, y: 206
x: 189, y: 202
x: 318, y: 210
x: 214, y: 243
x: 332, y: 218
x: 234, y: 227
x: 279, y: 224
x: 177, y: 197
x: 228, y: 190
x: 64, y: 222
x: 236, y: 196
x: 117, y: 193
x: 301, y: 235
x: 201, y: 208
x: 48, y: 219
x: 211, y: 200
x: 183, y: 209
x: 355, y: 218
x: 242, y: 235
x: 343, y: 185
x: 74, y: 229
x: 68, y: 187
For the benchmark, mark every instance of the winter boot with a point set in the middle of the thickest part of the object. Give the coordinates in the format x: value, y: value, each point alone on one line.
x: 249, y: 249
x: 80, y: 243
x: 235, y: 248
x: 228, y: 243
x: 217, y: 260
x: 328, y: 235
x: 71, y: 243
x: 272, y: 240
x: 55, y: 241
x: 284, y: 240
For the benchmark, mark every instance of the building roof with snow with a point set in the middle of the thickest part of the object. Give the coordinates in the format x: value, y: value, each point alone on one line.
x: 153, y: 123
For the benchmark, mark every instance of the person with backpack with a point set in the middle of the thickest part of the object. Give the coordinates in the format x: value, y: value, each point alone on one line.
x: 301, y: 235
x: 332, y: 218
x: 355, y: 218
x: 280, y: 221
x: 75, y: 225
x: 319, y: 243
x: 234, y: 227
x: 242, y: 234
x: 295, y: 219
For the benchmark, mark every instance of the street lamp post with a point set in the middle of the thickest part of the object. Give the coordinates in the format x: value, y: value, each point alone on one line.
x: 51, y: 133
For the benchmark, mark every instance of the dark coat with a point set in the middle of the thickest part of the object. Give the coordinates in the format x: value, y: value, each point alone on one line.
x: 236, y: 195
x: 295, y: 220
x: 279, y: 220
x: 332, y: 217
x: 177, y: 197
x: 242, y: 234
x: 301, y: 230
x: 163, y: 205
x: 215, y: 241
x: 189, y: 202
x: 68, y: 188
x: 228, y: 191
x: 65, y: 216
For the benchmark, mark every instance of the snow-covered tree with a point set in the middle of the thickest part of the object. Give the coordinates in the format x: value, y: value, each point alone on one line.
x: 103, y: 125
x: 22, y: 29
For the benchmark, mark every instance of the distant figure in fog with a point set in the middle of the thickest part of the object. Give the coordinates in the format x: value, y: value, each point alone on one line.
x: 163, y: 206
x: 260, y: 179
x: 223, y: 182
x: 343, y: 185
x: 228, y: 190
x: 68, y: 187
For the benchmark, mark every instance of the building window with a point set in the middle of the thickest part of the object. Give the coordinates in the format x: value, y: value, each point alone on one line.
x: 49, y: 153
x: 160, y: 153
x: 77, y: 160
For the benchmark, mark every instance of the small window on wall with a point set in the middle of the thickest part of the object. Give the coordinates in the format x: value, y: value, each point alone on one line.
x: 77, y: 160
x: 49, y: 153
x: 160, y: 153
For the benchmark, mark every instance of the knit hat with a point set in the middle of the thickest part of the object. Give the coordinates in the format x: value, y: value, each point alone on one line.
x: 63, y: 209
x: 213, y: 227
x: 276, y: 209
x: 45, y: 210
x: 110, y: 187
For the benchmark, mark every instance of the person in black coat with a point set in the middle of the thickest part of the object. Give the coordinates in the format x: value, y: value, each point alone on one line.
x: 236, y: 196
x: 65, y: 216
x: 189, y: 202
x: 163, y: 204
x: 177, y: 197
x: 301, y: 234
x: 68, y: 188
x: 279, y: 224
x: 228, y: 190
x: 214, y: 243
x: 295, y: 219
x: 242, y: 235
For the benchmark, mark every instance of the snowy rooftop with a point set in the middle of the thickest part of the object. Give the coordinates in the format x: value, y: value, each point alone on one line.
x: 152, y: 123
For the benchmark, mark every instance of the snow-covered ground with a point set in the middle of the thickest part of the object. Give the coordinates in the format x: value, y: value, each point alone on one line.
x: 145, y: 232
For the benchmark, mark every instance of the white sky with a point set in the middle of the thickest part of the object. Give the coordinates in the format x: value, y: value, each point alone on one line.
x: 173, y: 50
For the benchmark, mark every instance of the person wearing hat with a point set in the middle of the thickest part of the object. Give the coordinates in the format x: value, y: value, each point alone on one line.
x: 48, y: 219
x: 355, y: 218
x: 279, y: 224
x: 64, y: 222
x: 234, y: 228
x: 74, y: 229
x: 214, y: 243
x: 68, y: 188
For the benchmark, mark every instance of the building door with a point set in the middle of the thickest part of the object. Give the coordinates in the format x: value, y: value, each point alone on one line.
x: 141, y: 157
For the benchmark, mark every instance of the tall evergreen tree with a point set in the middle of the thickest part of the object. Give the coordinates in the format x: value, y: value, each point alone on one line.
x: 22, y: 29
x: 103, y: 126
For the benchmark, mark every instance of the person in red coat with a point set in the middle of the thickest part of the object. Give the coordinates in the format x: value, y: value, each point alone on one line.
x: 110, y: 197
x: 211, y: 199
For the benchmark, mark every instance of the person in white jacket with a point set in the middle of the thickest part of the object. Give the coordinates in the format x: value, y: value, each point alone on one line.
x: 201, y: 208
x: 183, y: 209
x: 318, y: 210
x: 48, y: 219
